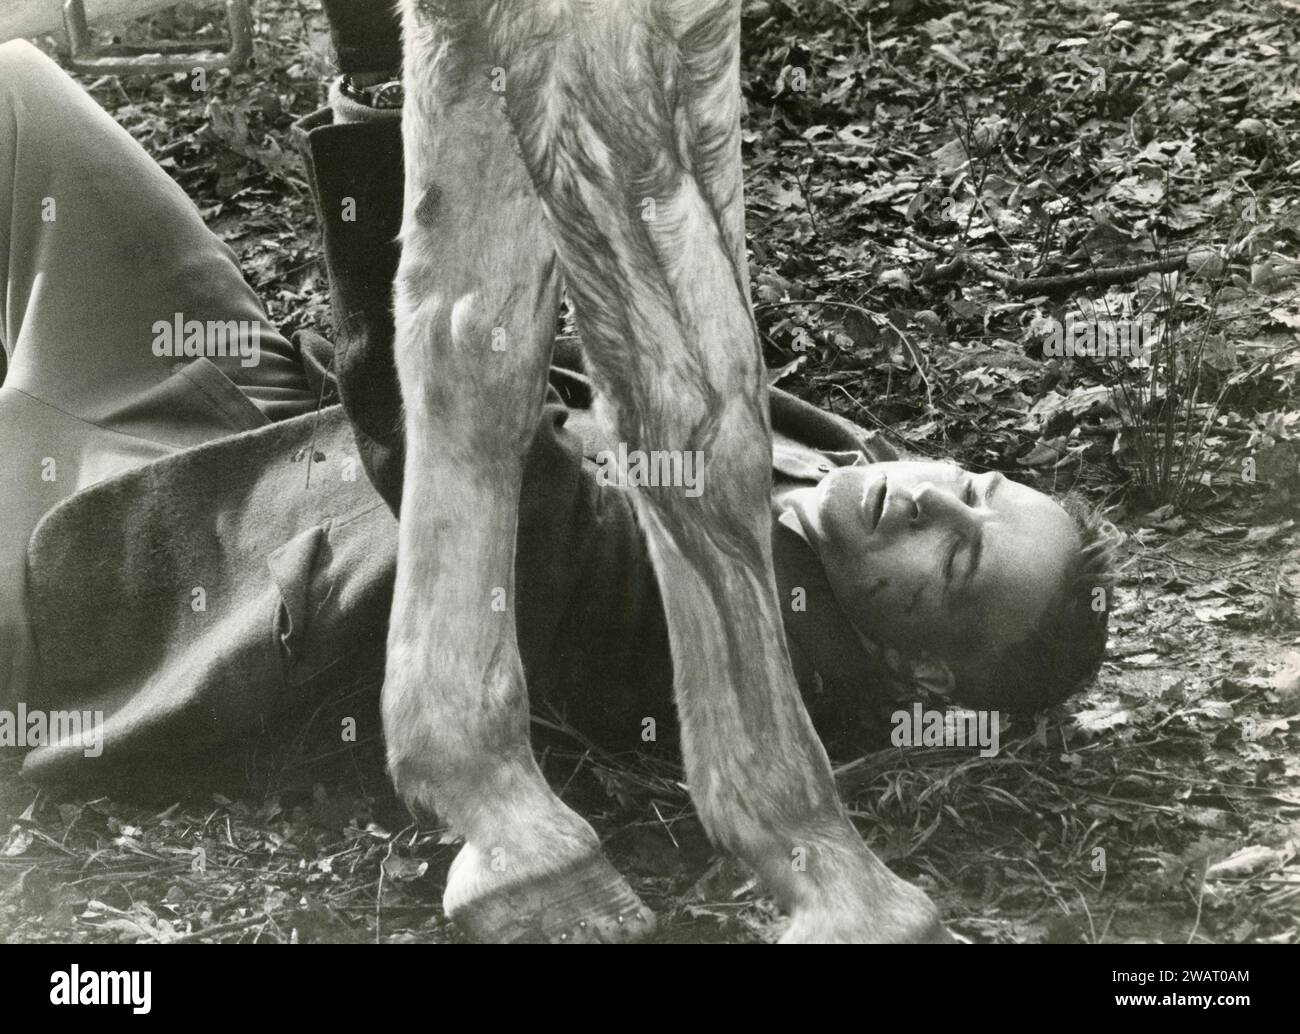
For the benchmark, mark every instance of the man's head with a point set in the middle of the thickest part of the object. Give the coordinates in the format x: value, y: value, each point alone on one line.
x: 983, y: 588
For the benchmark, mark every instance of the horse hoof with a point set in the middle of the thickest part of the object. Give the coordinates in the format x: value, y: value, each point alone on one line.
x: 587, y: 902
x: 904, y: 916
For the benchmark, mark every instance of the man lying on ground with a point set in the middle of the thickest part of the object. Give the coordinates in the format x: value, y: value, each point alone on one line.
x: 190, y: 544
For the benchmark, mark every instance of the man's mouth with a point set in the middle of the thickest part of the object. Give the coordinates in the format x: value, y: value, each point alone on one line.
x: 873, y: 501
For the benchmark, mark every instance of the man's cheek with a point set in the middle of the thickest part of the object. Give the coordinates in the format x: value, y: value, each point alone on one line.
x: 870, y: 597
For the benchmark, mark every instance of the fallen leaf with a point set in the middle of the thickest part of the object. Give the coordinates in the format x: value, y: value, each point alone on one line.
x: 1214, y: 614
x: 1287, y: 678
x: 1101, y: 718
x: 1246, y: 861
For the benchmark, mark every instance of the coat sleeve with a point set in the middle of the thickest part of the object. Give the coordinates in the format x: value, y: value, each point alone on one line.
x: 356, y: 175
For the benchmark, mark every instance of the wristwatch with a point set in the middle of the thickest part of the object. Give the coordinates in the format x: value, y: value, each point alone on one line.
x: 385, y: 95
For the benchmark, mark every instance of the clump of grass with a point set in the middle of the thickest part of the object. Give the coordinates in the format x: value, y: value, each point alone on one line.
x: 1168, y: 401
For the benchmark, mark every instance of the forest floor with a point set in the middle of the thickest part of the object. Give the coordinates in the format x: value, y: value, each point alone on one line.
x: 929, y: 185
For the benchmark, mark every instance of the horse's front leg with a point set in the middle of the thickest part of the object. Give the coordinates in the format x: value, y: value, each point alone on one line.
x: 476, y: 302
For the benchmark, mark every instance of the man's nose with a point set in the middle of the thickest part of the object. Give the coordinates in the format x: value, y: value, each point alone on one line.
x: 943, y: 508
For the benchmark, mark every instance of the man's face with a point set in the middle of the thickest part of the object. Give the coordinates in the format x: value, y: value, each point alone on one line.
x: 924, y: 555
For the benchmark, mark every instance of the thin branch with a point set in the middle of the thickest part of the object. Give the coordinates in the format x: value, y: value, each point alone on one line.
x: 1097, y: 277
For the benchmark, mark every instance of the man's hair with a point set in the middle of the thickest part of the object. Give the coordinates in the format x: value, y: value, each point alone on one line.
x: 1064, y: 650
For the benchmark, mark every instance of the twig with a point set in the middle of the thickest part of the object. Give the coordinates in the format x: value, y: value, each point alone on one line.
x: 1200, y: 901
x: 1100, y: 277
x: 221, y: 928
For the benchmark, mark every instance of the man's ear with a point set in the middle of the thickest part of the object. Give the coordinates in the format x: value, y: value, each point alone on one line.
x: 931, y: 675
